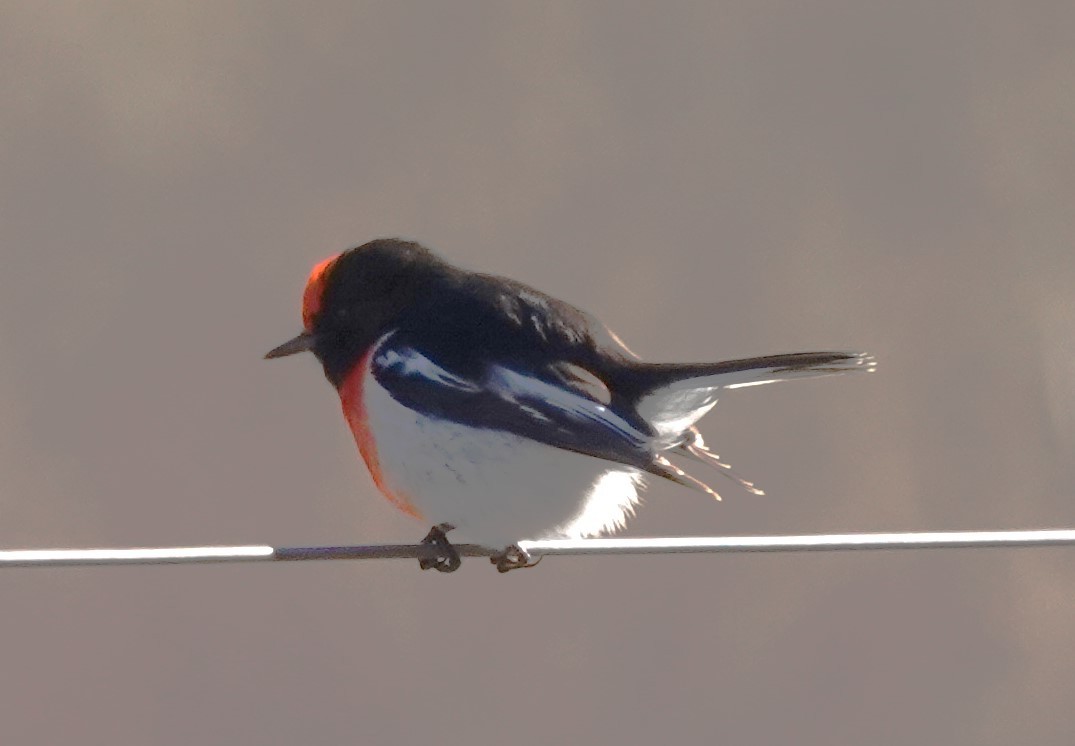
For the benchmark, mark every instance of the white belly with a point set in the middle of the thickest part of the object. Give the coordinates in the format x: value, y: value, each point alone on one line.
x: 494, y: 487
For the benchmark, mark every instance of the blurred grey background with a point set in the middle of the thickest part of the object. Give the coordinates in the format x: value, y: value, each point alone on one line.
x: 713, y: 180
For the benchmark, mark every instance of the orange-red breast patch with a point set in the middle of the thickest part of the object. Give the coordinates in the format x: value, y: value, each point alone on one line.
x: 354, y: 411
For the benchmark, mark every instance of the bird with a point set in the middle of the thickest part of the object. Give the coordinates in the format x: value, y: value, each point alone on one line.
x: 482, y: 405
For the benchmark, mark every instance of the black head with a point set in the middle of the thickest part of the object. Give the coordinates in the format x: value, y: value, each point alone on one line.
x: 352, y: 299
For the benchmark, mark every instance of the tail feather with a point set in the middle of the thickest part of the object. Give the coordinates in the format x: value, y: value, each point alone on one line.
x: 697, y: 450
x: 676, y: 396
x: 662, y: 467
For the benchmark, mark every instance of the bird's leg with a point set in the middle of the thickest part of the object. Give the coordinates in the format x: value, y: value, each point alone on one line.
x: 513, y: 558
x: 447, y: 559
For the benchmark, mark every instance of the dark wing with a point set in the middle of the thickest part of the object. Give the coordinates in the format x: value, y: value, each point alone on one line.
x: 542, y: 408
x: 555, y: 406
x: 495, y: 354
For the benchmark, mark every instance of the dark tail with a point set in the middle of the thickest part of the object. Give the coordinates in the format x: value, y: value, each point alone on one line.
x: 673, y: 396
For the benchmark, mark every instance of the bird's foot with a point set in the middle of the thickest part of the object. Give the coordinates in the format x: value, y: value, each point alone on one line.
x: 513, y: 558
x: 447, y: 559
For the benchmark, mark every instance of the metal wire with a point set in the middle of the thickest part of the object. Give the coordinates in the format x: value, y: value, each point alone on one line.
x: 667, y: 545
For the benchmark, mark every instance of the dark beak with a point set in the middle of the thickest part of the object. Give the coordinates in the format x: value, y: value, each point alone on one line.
x: 301, y: 343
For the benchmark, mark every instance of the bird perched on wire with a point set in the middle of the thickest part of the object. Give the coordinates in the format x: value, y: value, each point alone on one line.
x: 481, y: 404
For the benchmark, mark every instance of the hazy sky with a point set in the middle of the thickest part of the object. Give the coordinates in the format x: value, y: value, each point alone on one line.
x: 714, y: 181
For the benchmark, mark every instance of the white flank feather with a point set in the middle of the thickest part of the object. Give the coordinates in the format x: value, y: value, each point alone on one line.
x: 494, y: 487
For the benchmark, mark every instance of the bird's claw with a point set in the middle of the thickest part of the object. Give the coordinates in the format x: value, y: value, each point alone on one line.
x: 446, y: 559
x: 513, y: 558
